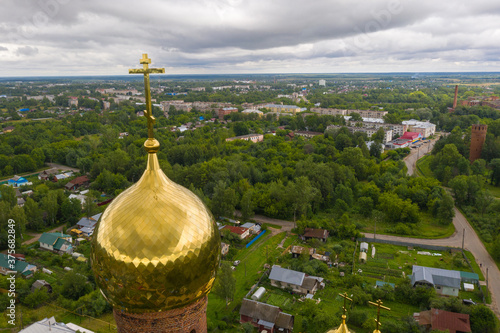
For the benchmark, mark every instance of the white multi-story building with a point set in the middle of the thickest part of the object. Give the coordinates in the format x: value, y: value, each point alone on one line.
x: 423, y: 127
x: 369, y: 131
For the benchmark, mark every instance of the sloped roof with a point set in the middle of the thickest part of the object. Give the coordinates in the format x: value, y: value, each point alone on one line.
x: 60, y: 242
x: 50, y: 325
x: 315, y: 233
x: 285, y: 320
x: 48, y: 238
x: 236, y: 230
x: 19, y: 265
x: 286, y: 275
x: 309, y: 283
x: 260, y: 311
x: 40, y: 283
x: 445, y: 320
x: 443, y: 277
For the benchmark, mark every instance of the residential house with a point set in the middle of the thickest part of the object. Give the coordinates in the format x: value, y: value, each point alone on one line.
x: 20, y: 202
x: 80, y: 198
x: 446, y: 282
x: 297, y: 251
x: 441, y: 320
x: 39, y: 284
x: 77, y: 182
x: 8, y: 129
x: 299, y: 282
x: 62, y: 176
x: 253, y: 227
x: 47, y: 174
x: 11, y: 264
x: 17, y: 181
x: 307, y: 134
x: 320, y: 234
x: 56, y: 242
x: 265, y: 317
x: 255, y: 137
x: 224, y: 249
x: 50, y: 325
x: 241, y: 232
x: 89, y: 222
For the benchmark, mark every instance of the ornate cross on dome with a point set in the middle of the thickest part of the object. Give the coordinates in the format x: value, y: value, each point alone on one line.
x: 344, y: 295
x: 148, y: 113
x: 379, y: 306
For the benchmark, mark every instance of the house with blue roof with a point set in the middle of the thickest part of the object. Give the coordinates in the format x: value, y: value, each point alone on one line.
x: 56, y: 242
x: 446, y: 282
x: 299, y: 282
x: 17, y: 181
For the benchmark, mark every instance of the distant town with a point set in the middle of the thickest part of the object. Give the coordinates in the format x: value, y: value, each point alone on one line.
x: 372, y: 186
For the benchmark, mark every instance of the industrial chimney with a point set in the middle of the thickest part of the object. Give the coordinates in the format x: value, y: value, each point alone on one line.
x: 455, y: 99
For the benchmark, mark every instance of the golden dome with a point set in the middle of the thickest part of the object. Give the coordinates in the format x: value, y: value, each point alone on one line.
x: 342, y: 328
x: 156, y: 247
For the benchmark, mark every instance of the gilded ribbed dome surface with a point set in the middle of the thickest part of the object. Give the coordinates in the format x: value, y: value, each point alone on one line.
x: 156, y: 247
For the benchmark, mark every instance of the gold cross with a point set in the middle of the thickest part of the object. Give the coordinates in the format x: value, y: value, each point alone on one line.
x: 344, y: 295
x: 379, y: 306
x: 148, y: 113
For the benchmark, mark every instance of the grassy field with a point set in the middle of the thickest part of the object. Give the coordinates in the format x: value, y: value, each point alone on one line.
x: 391, y: 261
x: 247, y: 273
x: 494, y: 190
x: 423, y: 166
x: 267, y: 225
x: 428, y: 227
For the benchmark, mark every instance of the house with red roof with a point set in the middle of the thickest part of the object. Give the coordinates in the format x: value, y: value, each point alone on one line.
x: 441, y: 320
x: 240, y: 231
x: 412, y: 136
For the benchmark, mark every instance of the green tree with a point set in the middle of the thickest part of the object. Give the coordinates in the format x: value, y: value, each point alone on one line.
x: 482, y: 320
x: 495, y: 171
x: 36, y: 298
x: 247, y: 205
x: 50, y: 206
x: 33, y: 214
x: 224, y: 200
x: 8, y: 194
x: 75, y: 285
x: 225, y: 285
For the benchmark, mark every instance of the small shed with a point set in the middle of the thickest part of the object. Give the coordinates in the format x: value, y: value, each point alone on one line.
x: 39, y: 284
x: 259, y: 293
x: 362, y: 257
x: 468, y: 287
x: 45, y: 270
x: 363, y: 247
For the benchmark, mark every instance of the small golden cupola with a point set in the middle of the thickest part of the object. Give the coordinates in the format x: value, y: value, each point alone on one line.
x: 156, y: 247
x: 343, y: 327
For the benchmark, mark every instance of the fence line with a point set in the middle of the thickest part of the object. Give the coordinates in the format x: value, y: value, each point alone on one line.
x: 428, y: 247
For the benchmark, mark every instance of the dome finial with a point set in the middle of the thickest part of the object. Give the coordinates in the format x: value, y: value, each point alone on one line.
x: 151, y: 145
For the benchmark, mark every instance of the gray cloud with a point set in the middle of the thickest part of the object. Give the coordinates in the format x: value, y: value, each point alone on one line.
x: 3, y: 48
x: 26, y: 50
x: 251, y: 36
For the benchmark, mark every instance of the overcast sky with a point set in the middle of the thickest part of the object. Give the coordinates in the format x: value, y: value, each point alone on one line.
x: 106, y: 37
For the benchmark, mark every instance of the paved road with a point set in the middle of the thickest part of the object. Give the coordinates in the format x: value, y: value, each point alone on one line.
x: 51, y: 165
x: 418, y: 153
x: 471, y: 243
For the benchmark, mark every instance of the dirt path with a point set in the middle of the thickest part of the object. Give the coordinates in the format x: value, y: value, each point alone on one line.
x: 37, y: 236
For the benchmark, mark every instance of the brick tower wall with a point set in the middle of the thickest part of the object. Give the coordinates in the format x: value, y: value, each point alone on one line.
x: 478, y: 136
x: 190, y: 319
